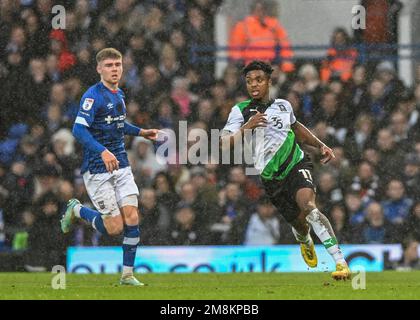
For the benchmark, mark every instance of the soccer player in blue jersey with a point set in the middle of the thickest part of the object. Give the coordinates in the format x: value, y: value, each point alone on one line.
x: 100, y: 127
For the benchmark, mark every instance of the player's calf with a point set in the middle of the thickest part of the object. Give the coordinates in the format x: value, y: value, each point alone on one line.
x: 113, y: 227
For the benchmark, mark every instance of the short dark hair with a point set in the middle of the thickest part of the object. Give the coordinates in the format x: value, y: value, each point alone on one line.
x: 258, y: 65
x: 108, y: 53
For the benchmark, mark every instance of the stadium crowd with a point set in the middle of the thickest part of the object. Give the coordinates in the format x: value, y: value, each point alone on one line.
x: 370, y: 191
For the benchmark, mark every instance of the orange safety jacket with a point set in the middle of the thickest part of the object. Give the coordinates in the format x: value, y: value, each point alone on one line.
x: 340, y: 63
x: 252, y: 39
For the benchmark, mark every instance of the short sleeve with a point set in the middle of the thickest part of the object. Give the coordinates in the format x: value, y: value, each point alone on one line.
x: 292, y: 114
x: 86, y: 113
x: 235, y: 120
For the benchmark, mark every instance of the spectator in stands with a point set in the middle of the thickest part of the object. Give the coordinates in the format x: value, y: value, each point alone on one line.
x: 185, y: 231
x: 39, y: 82
x: 155, y: 219
x: 373, y: 102
x: 396, y: 205
x: 46, y: 242
x: 20, y: 186
x: 181, y: 95
x: 263, y: 226
x: 332, y: 113
x: 340, y: 223
x: 59, y: 47
x: 206, y: 196
x: 85, y: 70
x: 411, y: 176
x: 169, y: 66
x: 166, y: 113
x: 47, y: 177
x: 340, y: 167
x: 249, y: 187
x: 28, y: 151
x: 261, y: 30
x: 360, y: 138
x: 393, y: 87
x: 340, y: 57
x: 199, y: 35
x: 165, y: 191
x: 63, y: 147
x: 357, y: 88
x: 355, y: 209
x: 328, y: 193
x: 313, y: 90
x: 366, y: 182
x: 233, y: 206
x: 151, y: 86
x: 146, y: 162
x: 131, y: 77
x: 391, y: 156
x: 376, y: 229
x: 400, y: 127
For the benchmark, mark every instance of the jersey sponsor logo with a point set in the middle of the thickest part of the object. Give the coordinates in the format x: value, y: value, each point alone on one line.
x: 110, y: 105
x: 282, y: 108
x: 87, y: 104
x: 110, y: 119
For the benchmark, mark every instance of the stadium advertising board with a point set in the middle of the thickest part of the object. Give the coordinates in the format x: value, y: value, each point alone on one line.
x: 282, y: 258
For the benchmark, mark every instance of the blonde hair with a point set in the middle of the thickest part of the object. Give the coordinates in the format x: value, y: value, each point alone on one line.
x: 108, y: 53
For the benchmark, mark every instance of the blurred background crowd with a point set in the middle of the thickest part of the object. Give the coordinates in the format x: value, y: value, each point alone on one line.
x: 370, y: 191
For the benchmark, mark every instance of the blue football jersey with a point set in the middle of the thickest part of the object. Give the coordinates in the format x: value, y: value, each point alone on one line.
x: 103, y: 111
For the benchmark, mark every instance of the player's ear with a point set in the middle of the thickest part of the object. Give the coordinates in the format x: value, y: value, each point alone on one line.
x: 98, y: 68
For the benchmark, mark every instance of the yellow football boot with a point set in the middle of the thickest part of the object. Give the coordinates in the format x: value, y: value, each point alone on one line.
x: 342, y: 272
x: 309, y: 254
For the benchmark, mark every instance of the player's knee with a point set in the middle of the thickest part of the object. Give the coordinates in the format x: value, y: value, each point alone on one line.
x: 307, y: 207
x: 129, y: 201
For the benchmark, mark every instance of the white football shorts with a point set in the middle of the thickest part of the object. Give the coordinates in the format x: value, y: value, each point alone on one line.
x: 107, y: 190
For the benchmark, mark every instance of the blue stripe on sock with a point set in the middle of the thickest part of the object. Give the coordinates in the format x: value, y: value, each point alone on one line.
x: 93, y: 217
x: 131, y: 231
x: 99, y: 225
x: 129, y: 251
x: 88, y: 214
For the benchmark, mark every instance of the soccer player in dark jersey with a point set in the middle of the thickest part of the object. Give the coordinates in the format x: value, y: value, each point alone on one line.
x: 100, y: 127
x: 285, y: 170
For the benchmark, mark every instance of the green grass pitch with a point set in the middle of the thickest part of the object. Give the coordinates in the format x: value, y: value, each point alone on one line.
x: 254, y: 286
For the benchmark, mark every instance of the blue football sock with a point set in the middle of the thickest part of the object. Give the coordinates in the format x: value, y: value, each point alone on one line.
x: 131, y: 240
x: 93, y: 217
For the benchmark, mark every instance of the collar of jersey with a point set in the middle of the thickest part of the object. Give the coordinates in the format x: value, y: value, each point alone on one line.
x: 106, y: 88
x: 261, y: 107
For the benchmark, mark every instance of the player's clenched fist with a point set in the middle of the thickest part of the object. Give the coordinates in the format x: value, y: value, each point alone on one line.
x: 257, y: 120
x: 150, y: 134
x: 110, y: 161
x: 327, y: 154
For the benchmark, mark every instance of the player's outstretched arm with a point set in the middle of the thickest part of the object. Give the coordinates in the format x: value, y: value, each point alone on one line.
x: 133, y: 130
x: 304, y: 136
x: 150, y: 134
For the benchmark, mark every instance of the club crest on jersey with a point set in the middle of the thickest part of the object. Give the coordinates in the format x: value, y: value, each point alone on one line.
x: 87, y: 104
